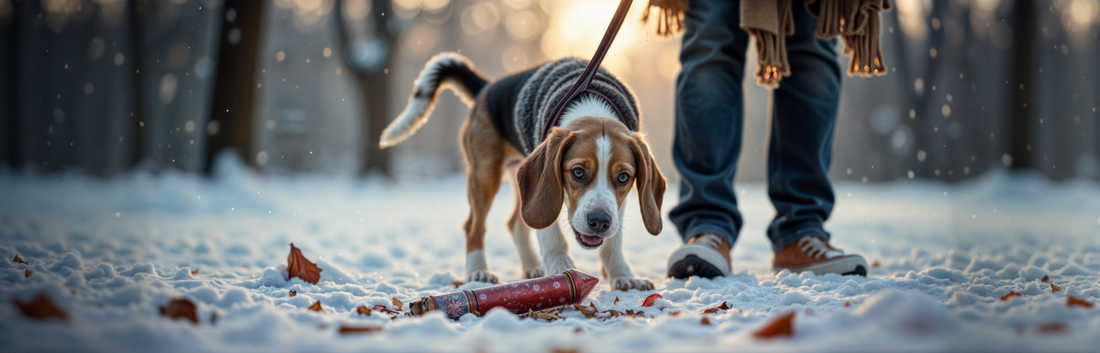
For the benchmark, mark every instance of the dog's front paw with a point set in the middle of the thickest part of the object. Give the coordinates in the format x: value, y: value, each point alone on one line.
x: 628, y: 283
x: 534, y: 273
x: 481, y: 276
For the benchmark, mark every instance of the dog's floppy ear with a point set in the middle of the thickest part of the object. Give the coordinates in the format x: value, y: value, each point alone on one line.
x: 540, y: 186
x: 651, y: 185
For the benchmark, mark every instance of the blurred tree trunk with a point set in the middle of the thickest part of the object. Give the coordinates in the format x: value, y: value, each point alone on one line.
x: 235, y: 80
x: 12, y: 138
x: 369, y: 56
x: 1023, y: 65
x: 137, y: 9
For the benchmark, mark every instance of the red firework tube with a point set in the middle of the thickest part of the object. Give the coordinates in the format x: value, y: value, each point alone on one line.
x: 566, y: 288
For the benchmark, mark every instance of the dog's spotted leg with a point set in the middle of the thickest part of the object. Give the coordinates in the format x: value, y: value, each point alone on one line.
x: 614, y: 264
x: 555, y: 250
x: 521, y: 233
x: 483, y: 177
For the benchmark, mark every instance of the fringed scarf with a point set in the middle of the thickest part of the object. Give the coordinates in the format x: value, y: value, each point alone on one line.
x: 856, y: 22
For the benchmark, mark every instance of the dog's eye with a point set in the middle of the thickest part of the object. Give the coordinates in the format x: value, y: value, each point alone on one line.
x: 578, y: 173
x: 624, y: 177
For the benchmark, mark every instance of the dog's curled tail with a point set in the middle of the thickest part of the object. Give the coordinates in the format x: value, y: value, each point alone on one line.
x: 445, y: 70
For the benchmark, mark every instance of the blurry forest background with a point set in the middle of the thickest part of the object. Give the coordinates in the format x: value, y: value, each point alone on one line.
x: 305, y: 86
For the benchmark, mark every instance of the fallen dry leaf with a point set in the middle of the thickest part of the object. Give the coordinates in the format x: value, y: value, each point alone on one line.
x: 588, y: 313
x: 180, y: 308
x: 713, y: 310
x: 1046, y: 278
x: 874, y: 263
x: 317, y: 307
x: 1075, y: 301
x: 293, y: 293
x: 1010, y: 295
x: 847, y: 303
x: 457, y: 283
x: 674, y: 313
x: 27, y: 273
x: 384, y: 309
x: 194, y: 272
x: 41, y: 308
x: 18, y: 260
x: 616, y: 301
x: 614, y: 313
x: 648, y: 302
x: 298, y: 266
x: 1054, y: 288
x: 363, y: 310
x: 705, y: 321
x: 1051, y: 327
x: 781, y: 326
x: 564, y: 350
x: 578, y: 330
x: 349, y: 329
x: 398, y: 304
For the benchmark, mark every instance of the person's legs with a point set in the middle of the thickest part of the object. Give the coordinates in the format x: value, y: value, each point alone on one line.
x: 709, y: 111
x: 708, y: 138
x: 801, y: 142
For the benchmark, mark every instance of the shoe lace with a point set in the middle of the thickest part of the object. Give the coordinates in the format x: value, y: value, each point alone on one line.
x: 815, y: 247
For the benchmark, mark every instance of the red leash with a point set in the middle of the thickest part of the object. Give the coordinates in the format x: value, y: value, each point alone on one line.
x: 591, y: 70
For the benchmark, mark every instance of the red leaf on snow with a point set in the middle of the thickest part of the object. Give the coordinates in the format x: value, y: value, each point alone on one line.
x: 874, y: 263
x: 317, y: 307
x: 363, y: 310
x: 457, y: 283
x: 293, y: 293
x: 705, y: 321
x: 27, y: 273
x: 616, y: 301
x: 724, y: 306
x: 180, y: 308
x: 648, y: 302
x: 782, y: 326
x: 194, y: 272
x: 41, y: 308
x: 1046, y: 278
x: 384, y: 309
x: 1010, y: 295
x: 348, y: 329
x: 1054, y: 288
x: 847, y: 303
x: 1051, y: 327
x: 18, y: 260
x: 1075, y: 301
x: 298, y: 266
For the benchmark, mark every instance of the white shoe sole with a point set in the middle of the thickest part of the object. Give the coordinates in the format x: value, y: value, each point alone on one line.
x: 704, y: 253
x: 853, y: 264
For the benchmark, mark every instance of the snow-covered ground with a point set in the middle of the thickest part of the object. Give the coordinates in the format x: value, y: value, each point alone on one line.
x: 110, y: 252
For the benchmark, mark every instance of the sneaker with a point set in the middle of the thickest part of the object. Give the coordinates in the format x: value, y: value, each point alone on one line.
x: 705, y: 255
x: 815, y: 255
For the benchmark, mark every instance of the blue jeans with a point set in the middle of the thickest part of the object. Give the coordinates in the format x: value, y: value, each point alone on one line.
x: 709, y: 114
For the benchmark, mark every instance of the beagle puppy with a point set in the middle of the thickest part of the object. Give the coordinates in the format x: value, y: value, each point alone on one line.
x: 586, y: 163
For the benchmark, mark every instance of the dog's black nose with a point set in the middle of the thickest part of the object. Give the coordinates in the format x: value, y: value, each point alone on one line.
x: 599, y: 222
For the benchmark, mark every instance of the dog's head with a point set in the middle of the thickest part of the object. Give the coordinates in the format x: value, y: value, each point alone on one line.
x: 590, y: 167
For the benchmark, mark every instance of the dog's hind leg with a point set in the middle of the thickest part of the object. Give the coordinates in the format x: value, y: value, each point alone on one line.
x: 521, y: 233
x: 484, y: 154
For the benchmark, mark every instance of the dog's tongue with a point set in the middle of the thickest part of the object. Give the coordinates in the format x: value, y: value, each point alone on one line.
x: 590, y: 240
